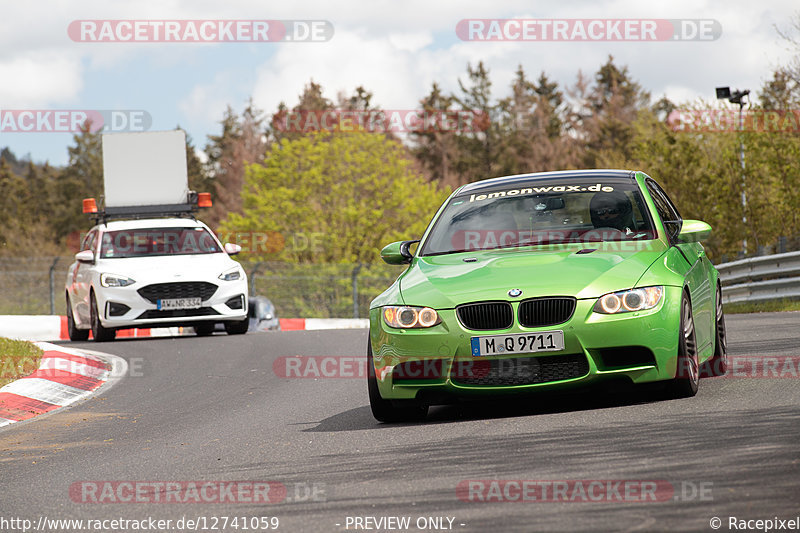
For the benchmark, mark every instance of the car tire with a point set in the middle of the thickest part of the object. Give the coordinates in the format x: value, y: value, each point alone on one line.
x: 237, y: 328
x: 100, y: 333
x: 203, y: 330
x: 718, y: 364
x: 687, y: 372
x: 387, y: 410
x: 74, y: 333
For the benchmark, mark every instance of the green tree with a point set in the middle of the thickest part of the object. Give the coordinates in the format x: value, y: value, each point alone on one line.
x: 354, y: 191
x: 82, y: 178
x: 23, y: 220
x: 608, y: 111
x: 241, y: 142
x: 478, y: 150
x: 435, y: 148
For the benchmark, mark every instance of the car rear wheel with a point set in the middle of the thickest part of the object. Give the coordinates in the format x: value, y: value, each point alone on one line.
x: 387, y: 410
x: 100, y: 333
x: 74, y: 333
x: 718, y: 365
x: 687, y: 374
x: 237, y: 328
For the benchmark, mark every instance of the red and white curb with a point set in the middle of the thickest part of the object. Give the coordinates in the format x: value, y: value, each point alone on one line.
x: 54, y: 327
x: 65, y: 376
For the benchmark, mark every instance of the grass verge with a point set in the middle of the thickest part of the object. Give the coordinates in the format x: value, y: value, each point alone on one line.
x: 17, y: 359
x: 763, y: 307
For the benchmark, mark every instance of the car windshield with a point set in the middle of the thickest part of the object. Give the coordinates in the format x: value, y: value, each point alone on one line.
x: 547, y: 213
x: 147, y: 242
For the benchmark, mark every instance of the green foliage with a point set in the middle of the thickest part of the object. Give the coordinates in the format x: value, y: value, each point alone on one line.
x: 17, y: 359
x: 82, y: 178
x: 357, y: 191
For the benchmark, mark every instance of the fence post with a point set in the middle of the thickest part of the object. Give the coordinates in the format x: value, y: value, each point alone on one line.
x: 53, y: 286
x: 356, y: 270
x: 251, y: 278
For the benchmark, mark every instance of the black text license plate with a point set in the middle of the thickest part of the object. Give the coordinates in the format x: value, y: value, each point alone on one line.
x: 515, y: 343
x: 178, y: 303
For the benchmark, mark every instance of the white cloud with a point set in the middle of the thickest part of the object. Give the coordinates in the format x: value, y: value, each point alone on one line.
x: 206, y: 103
x: 38, y: 79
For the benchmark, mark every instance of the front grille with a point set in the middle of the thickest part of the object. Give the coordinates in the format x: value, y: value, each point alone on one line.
x: 522, y: 370
x: 486, y: 315
x: 181, y: 289
x: 178, y: 313
x: 543, y: 312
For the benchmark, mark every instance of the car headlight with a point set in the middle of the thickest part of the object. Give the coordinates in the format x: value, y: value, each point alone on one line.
x: 629, y: 301
x: 231, y: 275
x: 405, y: 317
x: 114, y: 280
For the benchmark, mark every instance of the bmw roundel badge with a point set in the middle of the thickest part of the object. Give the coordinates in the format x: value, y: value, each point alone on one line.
x: 514, y: 293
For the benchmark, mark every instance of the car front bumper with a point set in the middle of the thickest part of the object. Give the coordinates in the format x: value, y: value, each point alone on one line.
x: 221, y: 306
x: 638, y: 347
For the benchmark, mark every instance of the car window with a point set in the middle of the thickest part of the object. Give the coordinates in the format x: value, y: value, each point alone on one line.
x: 146, y: 242
x: 666, y: 209
x: 546, y: 213
x: 88, y: 241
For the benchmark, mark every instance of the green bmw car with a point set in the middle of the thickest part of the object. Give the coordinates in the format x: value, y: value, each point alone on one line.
x: 546, y: 281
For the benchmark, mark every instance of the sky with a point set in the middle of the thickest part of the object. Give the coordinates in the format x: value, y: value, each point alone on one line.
x: 395, y: 49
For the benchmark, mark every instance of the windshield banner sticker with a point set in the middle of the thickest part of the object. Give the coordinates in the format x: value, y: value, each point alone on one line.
x: 541, y: 190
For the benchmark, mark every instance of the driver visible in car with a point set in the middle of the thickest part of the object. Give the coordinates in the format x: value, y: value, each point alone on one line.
x: 612, y: 210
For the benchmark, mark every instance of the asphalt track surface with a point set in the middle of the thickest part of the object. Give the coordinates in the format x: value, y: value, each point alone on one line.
x: 212, y: 409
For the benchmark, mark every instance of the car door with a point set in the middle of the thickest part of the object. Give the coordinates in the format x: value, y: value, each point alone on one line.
x: 82, y: 277
x: 697, y: 274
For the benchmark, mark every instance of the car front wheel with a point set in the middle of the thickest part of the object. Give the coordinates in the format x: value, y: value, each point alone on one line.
x: 203, y: 330
x: 237, y: 328
x: 74, y: 333
x: 718, y: 365
x: 100, y: 333
x: 386, y: 410
x: 687, y: 374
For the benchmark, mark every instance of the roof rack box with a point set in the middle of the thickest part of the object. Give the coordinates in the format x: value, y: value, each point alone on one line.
x: 143, y: 170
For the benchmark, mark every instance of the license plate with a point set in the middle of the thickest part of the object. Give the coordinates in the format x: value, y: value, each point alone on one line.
x: 543, y: 341
x: 179, y: 303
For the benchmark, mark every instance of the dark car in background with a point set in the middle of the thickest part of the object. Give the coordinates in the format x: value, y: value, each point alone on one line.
x: 262, y: 315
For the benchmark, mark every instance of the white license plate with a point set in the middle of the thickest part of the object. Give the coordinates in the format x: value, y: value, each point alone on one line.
x: 543, y: 341
x: 179, y: 303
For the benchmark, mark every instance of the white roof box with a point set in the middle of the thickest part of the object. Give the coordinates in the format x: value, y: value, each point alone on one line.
x: 144, y: 170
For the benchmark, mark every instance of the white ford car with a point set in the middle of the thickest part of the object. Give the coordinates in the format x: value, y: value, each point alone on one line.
x: 154, y: 272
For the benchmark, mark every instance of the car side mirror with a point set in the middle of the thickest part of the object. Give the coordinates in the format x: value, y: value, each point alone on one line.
x: 86, y: 256
x: 232, y: 249
x: 694, y: 231
x: 398, y: 253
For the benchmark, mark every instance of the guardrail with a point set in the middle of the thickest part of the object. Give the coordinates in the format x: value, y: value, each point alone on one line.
x: 743, y: 280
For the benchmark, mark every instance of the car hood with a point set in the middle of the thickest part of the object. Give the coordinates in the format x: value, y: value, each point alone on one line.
x: 445, y: 281
x: 162, y: 269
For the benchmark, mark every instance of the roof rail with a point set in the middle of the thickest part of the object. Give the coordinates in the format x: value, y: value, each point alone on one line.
x: 148, y: 211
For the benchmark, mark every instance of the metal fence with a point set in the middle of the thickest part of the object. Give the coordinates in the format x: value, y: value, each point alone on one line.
x: 758, y: 279
x: 35, y: 286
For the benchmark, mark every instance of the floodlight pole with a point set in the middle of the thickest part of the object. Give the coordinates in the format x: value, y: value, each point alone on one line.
x: 737, y: 97
x: 744, y: 179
